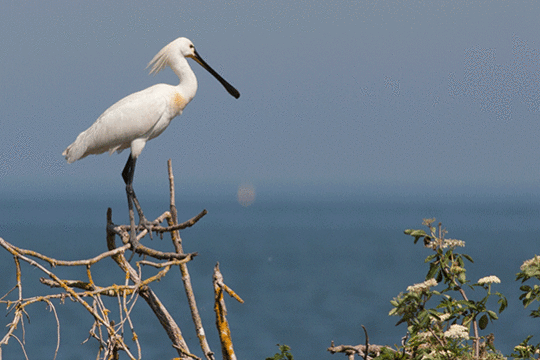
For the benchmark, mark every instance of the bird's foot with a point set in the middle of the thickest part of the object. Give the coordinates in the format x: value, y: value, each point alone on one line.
x: 146, y: 224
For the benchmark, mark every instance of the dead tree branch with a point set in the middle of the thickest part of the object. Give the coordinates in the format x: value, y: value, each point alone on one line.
x: 166, y: 320
x: 221, y: 314
x: 359, y: 350
x: 186, y: 279
x: 108, y: 332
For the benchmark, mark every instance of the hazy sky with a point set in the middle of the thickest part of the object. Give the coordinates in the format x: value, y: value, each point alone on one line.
x: 332, y: 92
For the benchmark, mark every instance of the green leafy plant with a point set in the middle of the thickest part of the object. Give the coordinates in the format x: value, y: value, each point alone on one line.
x: 530, y: 270
x: 284, y: 353
x: 439, y: 321
x: 526, y: 351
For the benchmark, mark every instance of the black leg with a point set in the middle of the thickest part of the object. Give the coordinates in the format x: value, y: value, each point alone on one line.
x: 128, y: 174
x: 129, y: 170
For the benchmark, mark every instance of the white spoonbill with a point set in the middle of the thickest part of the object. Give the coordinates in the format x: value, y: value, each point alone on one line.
x: 143, y: 115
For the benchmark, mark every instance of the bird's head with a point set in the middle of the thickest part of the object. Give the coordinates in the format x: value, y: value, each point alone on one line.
x: 185, y: 48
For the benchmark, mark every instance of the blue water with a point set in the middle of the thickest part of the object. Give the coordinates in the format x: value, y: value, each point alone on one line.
x: 311, y: 268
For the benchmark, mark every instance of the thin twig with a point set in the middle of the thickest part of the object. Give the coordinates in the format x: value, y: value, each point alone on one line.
x: 109, y: 335
x: 350, y: 350
x: 166, y: 320
x: 54, y: 262
x: 476, y: 340
x: 54, y: 277
x: 177, y: 242
x: 57, y: 329
x: 367, y: 343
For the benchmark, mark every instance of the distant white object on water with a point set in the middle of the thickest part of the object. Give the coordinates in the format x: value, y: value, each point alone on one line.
x: 246, y: 194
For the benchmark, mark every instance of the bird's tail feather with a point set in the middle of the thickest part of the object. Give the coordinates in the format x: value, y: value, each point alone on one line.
x: 74, y: 152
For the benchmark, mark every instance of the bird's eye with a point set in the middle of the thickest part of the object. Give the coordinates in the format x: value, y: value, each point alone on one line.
x: 191, y: 46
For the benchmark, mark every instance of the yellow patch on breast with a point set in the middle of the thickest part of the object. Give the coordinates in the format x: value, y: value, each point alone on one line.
x: 178, y: 102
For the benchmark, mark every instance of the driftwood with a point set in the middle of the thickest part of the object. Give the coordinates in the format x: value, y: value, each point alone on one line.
x: 359, y: 350
x: 367, y: 351
x: 108, y: 332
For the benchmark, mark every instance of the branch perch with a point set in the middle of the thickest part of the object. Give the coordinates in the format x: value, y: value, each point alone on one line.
x: 110, y: 333
x: 186, y: 279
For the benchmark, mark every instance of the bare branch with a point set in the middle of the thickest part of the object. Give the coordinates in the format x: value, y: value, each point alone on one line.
x: 360, y: 350
x: 110, y: 336
x: 177, y: 243
x: 367, y: 343
x: 222, y: 324
x: 166, y: 320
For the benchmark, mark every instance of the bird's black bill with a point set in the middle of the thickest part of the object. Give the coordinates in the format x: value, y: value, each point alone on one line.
x: 230, y: 89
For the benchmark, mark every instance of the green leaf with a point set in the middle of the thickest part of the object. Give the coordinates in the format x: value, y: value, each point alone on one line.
x: 483, y: 322
x: 527, y: 302
x: 502, y: 301
x: 467, y: 320
x: 439, y: 276
x: 492, y: 315
x: 284, y: 355
x: 468, y: 258
x: 432, y: 270
x: 415, y: 232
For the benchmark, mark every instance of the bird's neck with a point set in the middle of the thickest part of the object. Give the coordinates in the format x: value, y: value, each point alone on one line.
x: 188, y: 81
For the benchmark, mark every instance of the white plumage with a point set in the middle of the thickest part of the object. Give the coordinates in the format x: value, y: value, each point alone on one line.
x: 143, y: 115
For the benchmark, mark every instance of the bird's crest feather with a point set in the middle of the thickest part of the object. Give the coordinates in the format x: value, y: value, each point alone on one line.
x: 160, y: 61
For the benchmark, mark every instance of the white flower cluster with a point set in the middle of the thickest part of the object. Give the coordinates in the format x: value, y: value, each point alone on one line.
x: 437, y: 354
x: 424, y: 336
x: 489, y: 280
x: 431, y: 245
x: 525, y: 348
x: 424, y: 286
x: 457, y: 332
x: 452, y: 243
x: 456, y: 269
x: 442, y: 317
x: 534, y: 261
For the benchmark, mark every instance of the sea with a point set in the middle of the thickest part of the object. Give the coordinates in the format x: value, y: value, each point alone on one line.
x: 312, y: 265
